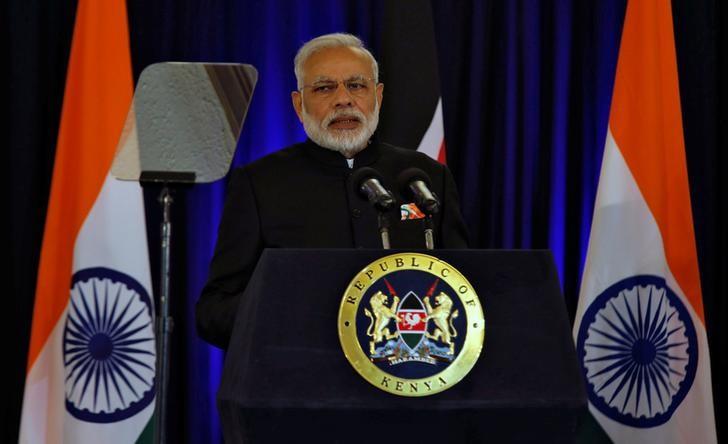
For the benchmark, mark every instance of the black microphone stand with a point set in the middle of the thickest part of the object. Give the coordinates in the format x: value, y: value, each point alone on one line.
x: 429, y: 233
x: 383, y: 222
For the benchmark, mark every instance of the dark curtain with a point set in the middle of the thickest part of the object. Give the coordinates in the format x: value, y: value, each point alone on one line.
x: 526, y: 96
x: 35, y: 44
x: 526, y: 87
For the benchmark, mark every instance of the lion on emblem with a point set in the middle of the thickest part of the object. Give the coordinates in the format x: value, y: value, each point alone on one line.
x: 440, y: 315
x: 378, y: 330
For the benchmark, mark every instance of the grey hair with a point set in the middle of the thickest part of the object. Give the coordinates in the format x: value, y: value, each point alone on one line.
x: 336, y: 40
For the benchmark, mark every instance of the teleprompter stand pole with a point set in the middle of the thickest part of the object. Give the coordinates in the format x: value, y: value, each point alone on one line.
x: 164, y: 321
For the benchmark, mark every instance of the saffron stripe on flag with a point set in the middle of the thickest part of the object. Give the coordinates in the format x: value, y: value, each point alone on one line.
x: 646, y: 80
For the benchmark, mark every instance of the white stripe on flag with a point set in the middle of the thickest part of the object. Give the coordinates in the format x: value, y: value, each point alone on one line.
x: 625, y: 241
x: 435, y: 134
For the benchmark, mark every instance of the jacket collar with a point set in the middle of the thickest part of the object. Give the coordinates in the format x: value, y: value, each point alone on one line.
x: 331, y: 158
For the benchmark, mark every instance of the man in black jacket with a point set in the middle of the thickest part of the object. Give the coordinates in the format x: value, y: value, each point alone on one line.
x: 302, y: 195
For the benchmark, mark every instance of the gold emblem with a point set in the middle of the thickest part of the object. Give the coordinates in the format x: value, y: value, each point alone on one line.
x: 440, y: 316
x: 381, y: 318
x: 411, y: 324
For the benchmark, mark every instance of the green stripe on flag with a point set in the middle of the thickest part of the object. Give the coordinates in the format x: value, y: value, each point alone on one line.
x: 147, y: 435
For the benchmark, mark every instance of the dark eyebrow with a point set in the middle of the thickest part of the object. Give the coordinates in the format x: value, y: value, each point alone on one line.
x: 322, y: 79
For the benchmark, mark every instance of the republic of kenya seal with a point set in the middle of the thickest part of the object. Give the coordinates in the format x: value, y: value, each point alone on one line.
x: 411, y: 324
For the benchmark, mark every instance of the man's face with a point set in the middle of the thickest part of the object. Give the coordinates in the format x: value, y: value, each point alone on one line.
x: 339, y: 102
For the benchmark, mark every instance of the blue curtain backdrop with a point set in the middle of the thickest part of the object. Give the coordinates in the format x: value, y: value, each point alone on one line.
x: 526, y: 89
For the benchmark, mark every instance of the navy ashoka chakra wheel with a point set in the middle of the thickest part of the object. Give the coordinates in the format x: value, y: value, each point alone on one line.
x: 638, y: 351
x: 108, y: 347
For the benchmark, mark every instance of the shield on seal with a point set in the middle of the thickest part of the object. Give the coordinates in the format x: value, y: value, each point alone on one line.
x: 411, y: 323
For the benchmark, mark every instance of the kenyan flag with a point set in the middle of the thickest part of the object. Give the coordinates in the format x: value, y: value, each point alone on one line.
x: 411, y: 115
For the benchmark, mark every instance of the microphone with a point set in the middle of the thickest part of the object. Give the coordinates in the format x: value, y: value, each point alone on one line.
x: 415, y: 184
x: 368, y: 183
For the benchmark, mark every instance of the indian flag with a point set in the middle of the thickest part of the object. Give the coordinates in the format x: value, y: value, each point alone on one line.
x: 639, y: 327
x: 91, y: 362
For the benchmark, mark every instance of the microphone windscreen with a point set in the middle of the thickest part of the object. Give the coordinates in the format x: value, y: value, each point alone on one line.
x: 406, y: 177
x: 368, y: 183
x: 360, y: 175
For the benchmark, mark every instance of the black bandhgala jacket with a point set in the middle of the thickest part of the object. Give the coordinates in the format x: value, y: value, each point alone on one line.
x: 301, y: 197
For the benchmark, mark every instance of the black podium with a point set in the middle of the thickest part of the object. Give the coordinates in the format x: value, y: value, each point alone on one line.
x: 286, y: 379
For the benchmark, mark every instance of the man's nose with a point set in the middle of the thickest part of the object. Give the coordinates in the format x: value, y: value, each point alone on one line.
x: 342, y: 96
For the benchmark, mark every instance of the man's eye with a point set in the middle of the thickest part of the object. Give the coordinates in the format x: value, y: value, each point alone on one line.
x: 323, y: 88
x: 356, y: 86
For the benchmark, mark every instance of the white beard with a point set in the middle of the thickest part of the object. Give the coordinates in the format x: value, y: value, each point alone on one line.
x: 345, y: 141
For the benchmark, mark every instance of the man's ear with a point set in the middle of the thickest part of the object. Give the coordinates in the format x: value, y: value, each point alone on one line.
x: 297, y: 101
x: 380, y: 93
